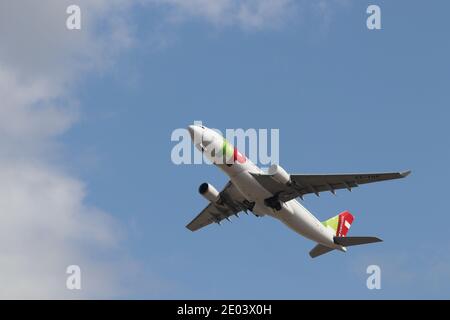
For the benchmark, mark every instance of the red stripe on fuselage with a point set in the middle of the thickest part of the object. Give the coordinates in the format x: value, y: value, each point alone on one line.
x: 237, y: 156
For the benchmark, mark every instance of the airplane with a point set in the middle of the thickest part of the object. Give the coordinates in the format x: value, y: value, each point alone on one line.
x: 274, y: 194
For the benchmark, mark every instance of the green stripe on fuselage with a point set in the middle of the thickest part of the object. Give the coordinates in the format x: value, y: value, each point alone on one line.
x: 227, y: 149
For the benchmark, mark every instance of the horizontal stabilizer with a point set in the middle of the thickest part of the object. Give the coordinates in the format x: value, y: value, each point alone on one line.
x: 354, y: 241
x: 319, y: 250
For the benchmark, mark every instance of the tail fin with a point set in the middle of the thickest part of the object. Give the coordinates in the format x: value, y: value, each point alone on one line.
x: 340, y: 224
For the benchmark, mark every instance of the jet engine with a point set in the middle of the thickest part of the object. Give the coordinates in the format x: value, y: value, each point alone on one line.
x: 279, y: 174
x: 209, y: 192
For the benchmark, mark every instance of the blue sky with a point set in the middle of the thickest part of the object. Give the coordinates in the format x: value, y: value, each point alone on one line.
x: 344, y: 99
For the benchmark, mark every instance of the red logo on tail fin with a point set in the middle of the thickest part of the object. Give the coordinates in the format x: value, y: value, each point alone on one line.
x: 345, y: 221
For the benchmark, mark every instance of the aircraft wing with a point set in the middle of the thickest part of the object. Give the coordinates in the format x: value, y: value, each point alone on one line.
x: 230, y: 203
x: 302, y: 184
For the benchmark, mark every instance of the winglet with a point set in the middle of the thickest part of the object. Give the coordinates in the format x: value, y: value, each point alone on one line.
x: 404, y: 174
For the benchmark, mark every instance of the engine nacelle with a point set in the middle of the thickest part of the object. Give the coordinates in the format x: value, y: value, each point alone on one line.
x: 279, y: 174
x: 209, y: 192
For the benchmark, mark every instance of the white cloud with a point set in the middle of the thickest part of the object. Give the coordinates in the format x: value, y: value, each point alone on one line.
x: 35, y: 41
x: 247, y: 14
x: 44, y: 227
x: 251, y: 15
x: 44, y: 224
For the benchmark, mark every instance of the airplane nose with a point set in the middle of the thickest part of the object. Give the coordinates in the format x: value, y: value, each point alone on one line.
x: 195, y: 132
x: 191, y: 131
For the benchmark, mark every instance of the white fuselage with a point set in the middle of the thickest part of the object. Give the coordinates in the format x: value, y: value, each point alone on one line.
x: 292, y: 213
